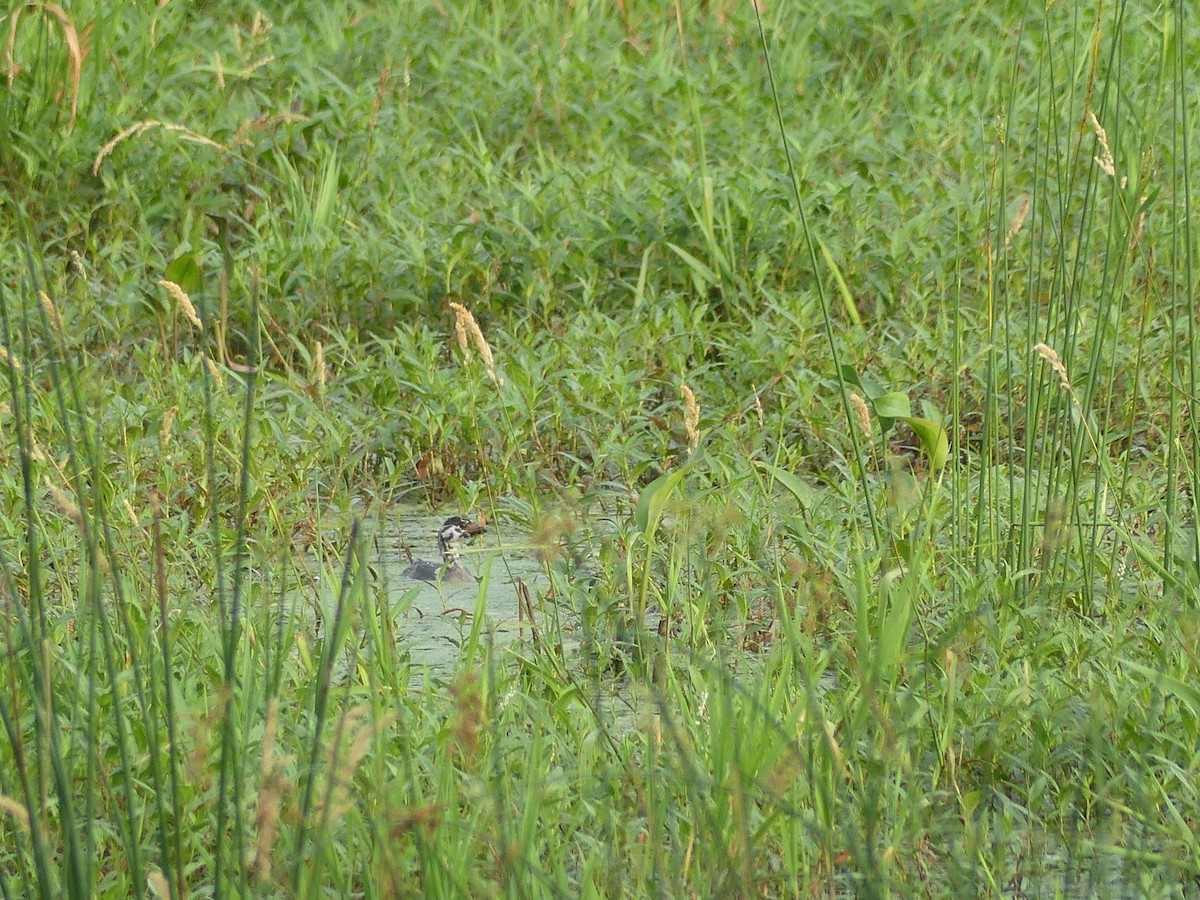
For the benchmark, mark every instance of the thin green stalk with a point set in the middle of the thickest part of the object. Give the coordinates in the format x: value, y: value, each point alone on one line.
x: 39, y: 686
x: 235, y: 703
x: 333, y: 639
x: 822, y: 300
x: 1181, y: 152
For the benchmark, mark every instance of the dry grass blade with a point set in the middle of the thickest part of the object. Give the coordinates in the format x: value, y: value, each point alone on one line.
x: 70, y: 35
x: 16, y: 811
x: 138, y: 127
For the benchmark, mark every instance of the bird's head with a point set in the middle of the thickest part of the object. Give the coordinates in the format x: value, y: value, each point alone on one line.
x: 457, y: 529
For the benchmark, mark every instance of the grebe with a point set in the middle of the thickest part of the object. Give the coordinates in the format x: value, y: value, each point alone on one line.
x: 454, y: 531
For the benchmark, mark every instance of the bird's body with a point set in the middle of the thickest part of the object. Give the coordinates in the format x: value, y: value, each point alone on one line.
x: 424, y: 570
x: 451, y: 535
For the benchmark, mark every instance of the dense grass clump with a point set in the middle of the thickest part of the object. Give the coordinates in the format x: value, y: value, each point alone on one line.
x: 838, y: 368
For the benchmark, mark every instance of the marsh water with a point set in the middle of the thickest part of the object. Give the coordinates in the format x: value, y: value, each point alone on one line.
x: 433, y: 620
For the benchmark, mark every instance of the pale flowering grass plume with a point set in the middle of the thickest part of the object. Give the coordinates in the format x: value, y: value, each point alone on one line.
x: 1105, y: 160
x: 131, y: 512
x: 1018, y: 220
x: 1050, y: 355
x: 158, y: 884
x: 1139, y: 226
x: 8, y: 358
x: 164, y: 432
x: 861, y: 412
x: 465, y: 326
x: 51, y: 311
x: 36, y: 453
x: 63, y: 503
x: 691, y: 417
x: 460, y: 330
x: 184, y: 302
x: 214, y: 372
x: 320, y: 373
x: 362, y: 730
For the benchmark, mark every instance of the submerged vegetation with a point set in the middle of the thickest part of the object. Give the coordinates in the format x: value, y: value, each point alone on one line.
x: 847, y: 404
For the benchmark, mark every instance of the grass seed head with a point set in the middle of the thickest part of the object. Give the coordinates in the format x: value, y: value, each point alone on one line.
x: 270, y: 799
x: 1105, y: 160
x: 691, y: 417
x: 51, y: 311
x: 164, y: 433
x: 158, y: 884
x: 1139, y: 226
x: 138, y: 127
x: 1050, y: 355
x: 460, y: 331
x: 319, y: 371
x: 64, y: 504
x: 214, y: 372
x: 1018, y: 220
x: 466, y: 326
x: 862, y: 412
x: 184, y: 302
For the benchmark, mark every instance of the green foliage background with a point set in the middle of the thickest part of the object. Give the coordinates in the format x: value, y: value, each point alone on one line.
x: 909, y: 607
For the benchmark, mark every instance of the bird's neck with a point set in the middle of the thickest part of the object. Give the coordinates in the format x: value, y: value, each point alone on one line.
x: 449, y: 552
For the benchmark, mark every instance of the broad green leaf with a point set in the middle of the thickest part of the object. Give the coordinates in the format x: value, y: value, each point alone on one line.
x: 934, y: 440
x: 892, y: 406
x: 653, y: 500
x: 872, y: 390
x: 799, y: 489
x: 184, y: 270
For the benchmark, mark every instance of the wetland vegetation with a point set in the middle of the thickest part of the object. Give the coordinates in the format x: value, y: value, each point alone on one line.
x: 833, y: 422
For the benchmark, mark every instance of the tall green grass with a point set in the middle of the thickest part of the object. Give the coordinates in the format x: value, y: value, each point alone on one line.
x: 898, y: 596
